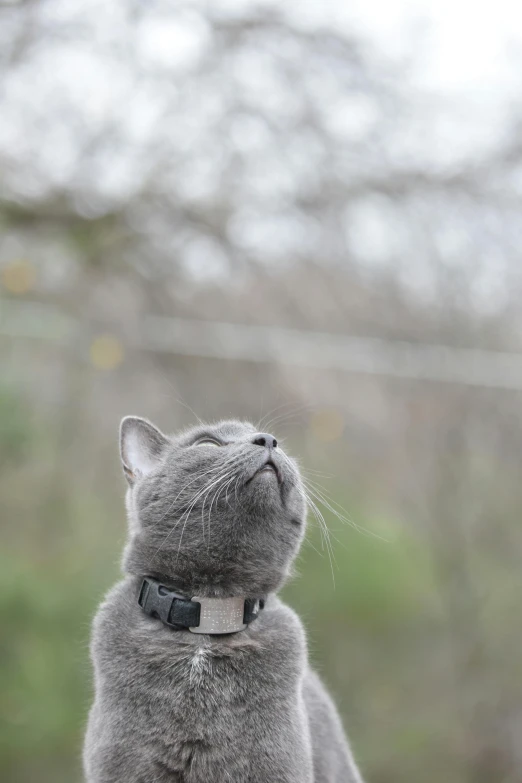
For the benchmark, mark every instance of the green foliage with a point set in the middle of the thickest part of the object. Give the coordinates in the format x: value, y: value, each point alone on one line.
x: 15, y: 428
x: 52, y: 576
x: 375, y: 576
x: 43, y: 672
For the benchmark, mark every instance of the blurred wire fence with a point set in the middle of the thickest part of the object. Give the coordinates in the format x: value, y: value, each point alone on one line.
x: 262, y: 344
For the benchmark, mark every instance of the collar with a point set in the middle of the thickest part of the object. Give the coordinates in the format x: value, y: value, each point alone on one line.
x: 198, y: 614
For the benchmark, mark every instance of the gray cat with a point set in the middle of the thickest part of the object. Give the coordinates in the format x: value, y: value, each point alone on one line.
x: 201, y: 672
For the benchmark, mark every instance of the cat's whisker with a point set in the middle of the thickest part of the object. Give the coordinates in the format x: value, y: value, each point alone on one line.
x: 323, y: 527
x: 271, y: 413
x: 235, y: 491
x: 227, y: 487
x: 325, y: 533
x: 214, y: 469
x: 239, y: 465
x: 316, y: 472
x: 218, y: 490
x: 183, y: 488
x: 188, y: 510
x: 319, y: 493
x: 186, y: 514
x: 226, y: 480
x: 203, y: 513
x: 270, y: 418
x: 331, y: 504
x: 309, y: 543
x: 216, y: 499
x: 320, y: 499
x: 284, y: 417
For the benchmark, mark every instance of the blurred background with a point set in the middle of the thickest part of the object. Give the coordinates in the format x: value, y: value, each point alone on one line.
x: 309, y: 211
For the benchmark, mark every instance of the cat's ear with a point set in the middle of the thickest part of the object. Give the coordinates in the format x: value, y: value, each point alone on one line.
x: 141, y: 447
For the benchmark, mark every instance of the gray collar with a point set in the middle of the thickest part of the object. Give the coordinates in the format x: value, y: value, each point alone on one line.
x: 198, y: 614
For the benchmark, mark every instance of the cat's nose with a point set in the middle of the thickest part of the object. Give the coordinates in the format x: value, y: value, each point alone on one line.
x: 262, y: 439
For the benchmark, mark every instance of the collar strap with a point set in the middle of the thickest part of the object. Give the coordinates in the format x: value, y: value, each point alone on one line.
x: 199, y: 614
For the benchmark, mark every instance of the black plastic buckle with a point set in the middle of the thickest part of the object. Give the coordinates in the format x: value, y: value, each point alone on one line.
x: 157, y: 600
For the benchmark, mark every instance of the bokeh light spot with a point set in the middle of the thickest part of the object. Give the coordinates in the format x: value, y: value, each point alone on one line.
x: 106, y: 352
x: 327, y: 424
x: 18, y: 277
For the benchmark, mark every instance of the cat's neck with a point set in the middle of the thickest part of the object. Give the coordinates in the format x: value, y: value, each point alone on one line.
x: 212, y: 579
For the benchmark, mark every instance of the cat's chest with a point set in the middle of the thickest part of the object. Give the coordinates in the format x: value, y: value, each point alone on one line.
x: 203, y: 673
x: 214, y: 706
x: 203, y: 685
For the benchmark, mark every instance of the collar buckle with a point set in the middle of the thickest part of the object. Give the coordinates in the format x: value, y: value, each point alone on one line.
x: 158, y: 601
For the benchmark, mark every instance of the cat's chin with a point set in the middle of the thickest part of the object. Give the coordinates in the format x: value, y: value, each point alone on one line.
x: 266, y: 481
x: 263, y: 495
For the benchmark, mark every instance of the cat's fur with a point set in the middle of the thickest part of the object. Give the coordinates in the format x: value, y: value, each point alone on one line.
x: 176, y: 707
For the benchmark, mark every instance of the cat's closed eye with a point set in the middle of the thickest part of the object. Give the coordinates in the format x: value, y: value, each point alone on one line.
x: 207, y: 440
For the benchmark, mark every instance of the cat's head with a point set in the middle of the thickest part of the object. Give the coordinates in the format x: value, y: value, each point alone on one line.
x: 218, y: 509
